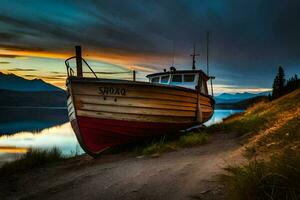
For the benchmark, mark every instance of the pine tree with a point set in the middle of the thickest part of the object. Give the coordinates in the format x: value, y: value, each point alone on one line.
x: 279, y: 84
x: 281, y: 81
x: 275, y: 88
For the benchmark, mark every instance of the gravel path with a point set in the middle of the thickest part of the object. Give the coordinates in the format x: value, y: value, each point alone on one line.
x: 185, y: 174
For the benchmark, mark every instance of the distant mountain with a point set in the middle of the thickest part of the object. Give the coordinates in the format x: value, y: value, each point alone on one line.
x: 242, y: 104
x: 232, y: 98
x: 16, y: 91
x: 17, y: 83
x: 33, y: 99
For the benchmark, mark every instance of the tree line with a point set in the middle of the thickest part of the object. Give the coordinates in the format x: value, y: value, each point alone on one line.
x: 281, y: 86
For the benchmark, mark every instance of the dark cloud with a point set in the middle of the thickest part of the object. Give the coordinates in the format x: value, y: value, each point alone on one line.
x: 248, y: 38
x: 30, y: 76
x: 20, y: 47
x: 7, y: 36
x: 4, y: 62
x: 58, y: 74
x: 8, y: 56
x: 21, y: 70
x: 53, y: 77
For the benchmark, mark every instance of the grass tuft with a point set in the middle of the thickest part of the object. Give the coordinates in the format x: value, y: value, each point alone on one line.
x: 193, y: 139
x: 33, y: 158
x: 187, y: 140
x: 276, y: 179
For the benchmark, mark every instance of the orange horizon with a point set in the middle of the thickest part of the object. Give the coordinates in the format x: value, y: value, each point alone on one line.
x: 125, y: 59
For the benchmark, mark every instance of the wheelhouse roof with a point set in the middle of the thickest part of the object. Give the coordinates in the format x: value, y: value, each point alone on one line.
x: 179, y: 72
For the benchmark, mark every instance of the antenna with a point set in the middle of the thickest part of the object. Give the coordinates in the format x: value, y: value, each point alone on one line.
x: 194, y: 55
x: 207, y: 63
x: 207, y: 53
x: 173, y: 54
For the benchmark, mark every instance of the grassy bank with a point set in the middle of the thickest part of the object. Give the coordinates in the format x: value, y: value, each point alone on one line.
x: 269, y: 126
x: 272, y: 144
x: 32, y: 159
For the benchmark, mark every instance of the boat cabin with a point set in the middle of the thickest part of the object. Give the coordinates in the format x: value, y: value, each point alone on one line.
x: 181, y: 78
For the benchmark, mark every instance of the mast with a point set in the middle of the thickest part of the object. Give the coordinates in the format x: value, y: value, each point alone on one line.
x: 194, y: 56
x: 78, y: 60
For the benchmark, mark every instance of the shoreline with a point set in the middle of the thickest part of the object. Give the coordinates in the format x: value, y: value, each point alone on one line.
x: 35, y: 107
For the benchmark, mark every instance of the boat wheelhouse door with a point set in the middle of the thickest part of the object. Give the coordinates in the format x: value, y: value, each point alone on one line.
x: 202, y: 83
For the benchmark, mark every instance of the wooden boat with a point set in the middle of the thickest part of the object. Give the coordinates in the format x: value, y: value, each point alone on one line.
x: 110, y: 112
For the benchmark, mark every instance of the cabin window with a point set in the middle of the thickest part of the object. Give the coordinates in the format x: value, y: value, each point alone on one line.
x: 177, y: 79
x: 164, y: 79
x: 155, y: 80
x: 189, y: 78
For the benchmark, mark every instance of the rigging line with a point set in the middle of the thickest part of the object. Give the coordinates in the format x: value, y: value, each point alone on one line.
x: 109, y: 72
x: 173, y: 54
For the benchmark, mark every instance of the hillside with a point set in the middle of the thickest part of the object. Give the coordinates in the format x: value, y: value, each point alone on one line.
x: 271, y: 134
x: 17, y: 91
x: 17, y: 83
x: 271, y: 126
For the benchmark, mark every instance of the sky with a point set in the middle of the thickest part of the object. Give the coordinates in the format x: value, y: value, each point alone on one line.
x: 248, y: 39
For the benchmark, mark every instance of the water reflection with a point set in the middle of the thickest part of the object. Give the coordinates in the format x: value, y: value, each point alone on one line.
x: 16, y: 119
x: 61, y: 136
x: 219, y: 115
x: 35, y: 128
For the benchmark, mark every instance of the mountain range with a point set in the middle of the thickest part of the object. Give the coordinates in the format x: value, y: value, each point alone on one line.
x: 17, y: 83
x: 233, y: 98
x: 16, y: 91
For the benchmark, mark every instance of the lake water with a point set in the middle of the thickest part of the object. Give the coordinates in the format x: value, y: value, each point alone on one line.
x: 24, y: 128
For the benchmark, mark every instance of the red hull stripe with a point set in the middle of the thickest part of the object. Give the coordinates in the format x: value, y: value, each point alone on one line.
x: 98, y: 134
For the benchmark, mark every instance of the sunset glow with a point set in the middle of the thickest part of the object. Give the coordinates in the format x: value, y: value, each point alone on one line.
x: 242, y: 58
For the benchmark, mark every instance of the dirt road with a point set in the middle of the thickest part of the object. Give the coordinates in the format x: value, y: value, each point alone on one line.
x: 184, y: 174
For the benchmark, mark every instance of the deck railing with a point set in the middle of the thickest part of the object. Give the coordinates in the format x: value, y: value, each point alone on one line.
x: 71, y: 71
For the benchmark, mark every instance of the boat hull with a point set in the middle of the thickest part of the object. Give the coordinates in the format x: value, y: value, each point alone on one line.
x: 97, y: 135
x: 106, y: 113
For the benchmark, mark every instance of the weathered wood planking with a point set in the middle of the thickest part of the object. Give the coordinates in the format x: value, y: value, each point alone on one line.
x: 205, y: 100
x: 134, y: 93
x: 150, y: 89
x: 135, y: 117
x: 153, y: 104
x: 203, y: 110
x: 133, y: 102
x: 136, y: 110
